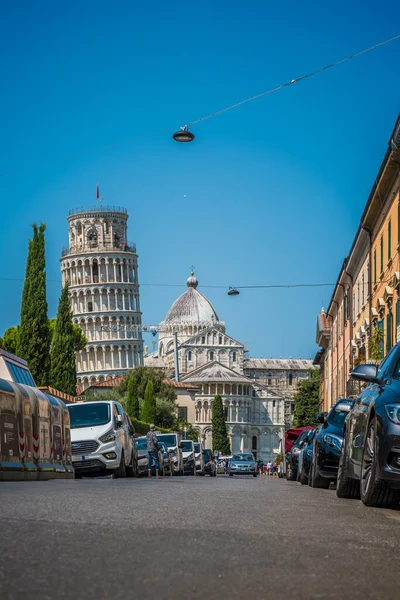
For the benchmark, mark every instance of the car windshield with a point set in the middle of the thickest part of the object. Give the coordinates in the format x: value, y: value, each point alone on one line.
x: 187, y: 446
x: 141, y: 443
x: 167, y: 439
x: 90, y: 414
x: 196, y: 447
x: 246, y: 457
x: 337, y: 417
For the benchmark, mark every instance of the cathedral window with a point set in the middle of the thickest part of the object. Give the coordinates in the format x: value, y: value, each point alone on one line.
x: 90, y: 306
x: 269, y: 380
x: 234, y: 356
x: 220, y: 339
x: 254, y: 393
x: 203, y: 339
x: 211, y: 355
x: 189, y: 355
x: 290, y: 379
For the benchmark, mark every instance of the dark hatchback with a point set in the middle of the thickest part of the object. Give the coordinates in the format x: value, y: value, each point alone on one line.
x: 209, y: 463
x: 292, y: 457
x: 305, y: 458
x: 370, y: 459
x: 328, y: 444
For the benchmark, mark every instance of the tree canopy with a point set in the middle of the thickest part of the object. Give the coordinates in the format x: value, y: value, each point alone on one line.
x: 62, y: 354
x: 149, y: 404
x: 220, y: 440
x: 33, y: 335
x: 306, y: 400
x: 132, y: 400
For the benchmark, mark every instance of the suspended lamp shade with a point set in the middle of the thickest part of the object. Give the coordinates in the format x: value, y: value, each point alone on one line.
x: 183, y: 135
x: 233, y: 292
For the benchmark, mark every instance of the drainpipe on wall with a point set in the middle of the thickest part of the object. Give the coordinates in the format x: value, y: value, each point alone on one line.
x: 367, y: 229
x: 337, y: 350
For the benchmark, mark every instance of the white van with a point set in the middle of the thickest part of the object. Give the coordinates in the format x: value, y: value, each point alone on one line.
x: 172, y: 442
x: 101, y: 443
x: 189, y: 463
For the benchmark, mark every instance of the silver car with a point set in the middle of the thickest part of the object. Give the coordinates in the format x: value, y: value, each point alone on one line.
x: 243, y: 463
x: 198, y: 457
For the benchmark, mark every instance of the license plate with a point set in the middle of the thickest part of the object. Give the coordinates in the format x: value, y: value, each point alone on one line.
x: 78, y: 458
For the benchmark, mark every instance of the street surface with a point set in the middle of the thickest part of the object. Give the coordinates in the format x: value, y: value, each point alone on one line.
x: 183, y: 538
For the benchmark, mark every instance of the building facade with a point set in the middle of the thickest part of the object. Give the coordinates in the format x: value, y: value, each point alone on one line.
x: 363, y: 318
x: 100, y: 267
x: 213, y: 362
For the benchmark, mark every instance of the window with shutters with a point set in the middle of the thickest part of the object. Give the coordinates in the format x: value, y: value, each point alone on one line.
x: 182, y: 413
x: 375, y: 266
x: 389, y: 334
x: 380, y: 325
x: 362, y: 290
x: 358, y: 298
x: 354, y: 307
x: 390, y: 239
x: 381, y: 265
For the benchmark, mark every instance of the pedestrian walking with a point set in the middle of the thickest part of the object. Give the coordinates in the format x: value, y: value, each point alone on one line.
x: 152, y: 451
x: 269, y: 467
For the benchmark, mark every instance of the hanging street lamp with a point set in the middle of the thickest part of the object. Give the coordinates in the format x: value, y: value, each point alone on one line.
x: 183, y: 135
x: 233, y: 291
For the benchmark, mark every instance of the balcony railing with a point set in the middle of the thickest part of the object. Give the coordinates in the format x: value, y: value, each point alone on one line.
x: 97, y: 209
x: 97, y: 247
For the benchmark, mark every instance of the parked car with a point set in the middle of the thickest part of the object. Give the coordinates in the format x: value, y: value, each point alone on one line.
x: 143, y: 459
x: 189, y: 464
x: 101, y: 443
x: 172, y: 441
x: 167, y: 460
x: 199, y: 458
x: 210, y: 467
x: 292, y: 457
x: 369, y: 466
x: 292, y: 435
x: 305, y: 458
x: 328, y: 444
x: 242, y: 463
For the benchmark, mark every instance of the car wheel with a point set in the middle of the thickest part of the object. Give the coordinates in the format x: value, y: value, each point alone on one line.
x: 255, y: 475
x: 121, y: 471
x: 230, y: 474
x: 346, y: 487
x: 130, y: 469
x: 374, y: 491
x: 317, y: 481
x: 290, y: 474
x: 303, y: 478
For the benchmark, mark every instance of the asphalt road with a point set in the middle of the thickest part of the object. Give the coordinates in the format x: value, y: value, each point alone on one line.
x: 183, y: 538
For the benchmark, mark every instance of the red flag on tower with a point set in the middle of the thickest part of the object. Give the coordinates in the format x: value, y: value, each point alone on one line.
x: 97, y: 192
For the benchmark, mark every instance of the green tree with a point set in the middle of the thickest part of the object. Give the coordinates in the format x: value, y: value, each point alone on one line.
x: 132, y: 402
x: 62, y: 354
x: 149, y: 404
x: 10, y: 340
x: 80, y: 339
x: 375, y: 345
x: 145, y: 374
x: 165, y: 414
x: 220, y: 440
x: 306, y: 400
x: 34, y: 337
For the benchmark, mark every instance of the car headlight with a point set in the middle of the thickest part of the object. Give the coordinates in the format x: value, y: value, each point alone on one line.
x: 333, y: 440
x: 393, y: 412
x: 109, y: 436
x: 309, y: 453
x: 296, y: 450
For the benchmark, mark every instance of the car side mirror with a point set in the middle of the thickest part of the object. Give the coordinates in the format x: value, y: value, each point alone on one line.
x: 180, y: 445
x: 119, y: 420
x: 366, y: 373
x: 320, y: 418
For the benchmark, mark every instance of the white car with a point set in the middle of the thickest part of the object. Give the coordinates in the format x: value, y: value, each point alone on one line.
x: 198, y: 457
x: 189, y: 465
x: 172, y: 442
x: 101, y: 442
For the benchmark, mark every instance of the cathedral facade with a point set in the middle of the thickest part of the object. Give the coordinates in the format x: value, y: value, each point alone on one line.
x: 193, y: 337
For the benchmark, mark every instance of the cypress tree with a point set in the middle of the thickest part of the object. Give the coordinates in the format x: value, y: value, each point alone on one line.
x: 34, y: 336
x: 62, y: 354
x: 132, y: 402
x: 306, y: 400
x: 220, y: 440
x: 149, y: 404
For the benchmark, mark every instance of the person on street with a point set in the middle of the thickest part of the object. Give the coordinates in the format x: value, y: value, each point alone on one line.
x: 269, y: 467
x: 152, y: 451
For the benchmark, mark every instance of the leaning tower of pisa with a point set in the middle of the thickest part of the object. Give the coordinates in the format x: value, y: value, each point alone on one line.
x: 101, y: 269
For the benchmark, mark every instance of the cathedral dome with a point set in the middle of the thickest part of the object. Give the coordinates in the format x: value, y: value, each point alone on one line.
x: 192, y: 308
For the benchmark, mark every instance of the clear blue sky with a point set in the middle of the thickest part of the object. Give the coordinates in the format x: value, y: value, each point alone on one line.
x: 269, y: 193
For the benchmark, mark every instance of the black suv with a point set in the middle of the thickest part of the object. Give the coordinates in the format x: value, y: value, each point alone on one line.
x: 328, y: 444
x: 292, y: 457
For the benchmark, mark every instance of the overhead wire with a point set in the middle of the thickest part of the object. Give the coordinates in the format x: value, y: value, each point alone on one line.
x: 211, y: 115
